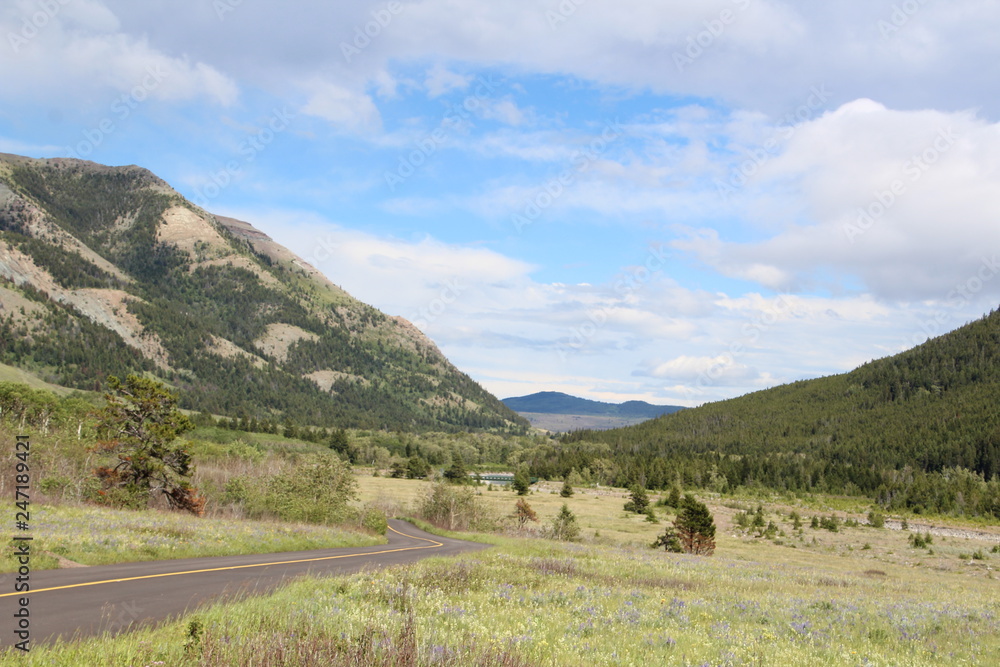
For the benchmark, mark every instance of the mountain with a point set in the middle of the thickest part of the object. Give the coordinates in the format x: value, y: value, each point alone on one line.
x: 108, y: 271
x: 920, y: 429
x: 554, y: 402
x: 556, y: 411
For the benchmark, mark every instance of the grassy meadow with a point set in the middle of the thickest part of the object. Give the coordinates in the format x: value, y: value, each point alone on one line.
x: 857, y: 596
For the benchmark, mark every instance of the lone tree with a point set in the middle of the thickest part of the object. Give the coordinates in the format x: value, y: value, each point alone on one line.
x: 521, y: 482
x: 139, y: 427
x: 524, y: 513
x: 640, y: 500
x: 695, y: 527
x: 567, y: 489
x: 564, y: 526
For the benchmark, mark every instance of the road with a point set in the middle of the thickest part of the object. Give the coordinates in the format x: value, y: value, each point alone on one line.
x: 115, y: 598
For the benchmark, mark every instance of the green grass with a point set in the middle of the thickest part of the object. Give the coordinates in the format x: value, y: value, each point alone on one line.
x: 537, y: 602
x: 97, y: 536
x: 815, y: 598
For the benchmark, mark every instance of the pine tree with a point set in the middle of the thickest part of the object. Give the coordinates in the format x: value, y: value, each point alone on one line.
x: 640, y: 500
x: 564, y: 526
x: 456, y: 473
x: 521, y: 482
x: 139, y: 427
x: 567, y: 490
x: 695, y: 527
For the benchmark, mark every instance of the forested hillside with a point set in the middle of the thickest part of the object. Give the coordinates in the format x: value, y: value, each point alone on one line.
x: 108, y: 271
x: 918, y: 430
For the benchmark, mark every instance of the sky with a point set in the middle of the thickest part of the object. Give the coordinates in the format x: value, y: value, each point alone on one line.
x: 677, y: 202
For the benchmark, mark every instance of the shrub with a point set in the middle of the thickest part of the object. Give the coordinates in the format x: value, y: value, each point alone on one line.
x: 455, y: 508
x: 669, y: 541
x: 567, y: 490
x: 316, y: 489
x: 373, y: 519
x: 830, y: 523
x: 876, y: 519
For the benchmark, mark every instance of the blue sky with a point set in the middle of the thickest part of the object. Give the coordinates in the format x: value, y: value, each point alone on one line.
x: 671, y: 201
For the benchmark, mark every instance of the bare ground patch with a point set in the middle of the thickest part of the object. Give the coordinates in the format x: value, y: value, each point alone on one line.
x: 324, y: 379
x: 228, y: 349
x: 279, y: 337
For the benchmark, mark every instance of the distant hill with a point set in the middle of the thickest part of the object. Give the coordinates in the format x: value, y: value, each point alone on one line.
x: 556, y: 411
x: 108, y: 271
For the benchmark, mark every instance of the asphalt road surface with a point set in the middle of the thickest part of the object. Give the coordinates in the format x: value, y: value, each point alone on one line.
x: 114, y: 598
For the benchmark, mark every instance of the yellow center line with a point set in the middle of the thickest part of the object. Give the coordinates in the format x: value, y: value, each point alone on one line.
x: 433, y: 545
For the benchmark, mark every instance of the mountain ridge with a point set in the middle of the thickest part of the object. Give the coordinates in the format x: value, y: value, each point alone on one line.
x: 555, y: 402
x: 108, y: 270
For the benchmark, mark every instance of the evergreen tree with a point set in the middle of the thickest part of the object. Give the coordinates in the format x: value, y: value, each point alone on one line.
x: 139, y: 427
x: 639, y: 502
x: 456, y: 472
x: 695, y: 527
x: 564, y: 526
x: 567, y: 490
x: 521, y: 482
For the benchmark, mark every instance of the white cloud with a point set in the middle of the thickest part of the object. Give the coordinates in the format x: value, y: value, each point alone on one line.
x: 80, y: 50
x: 349, y: 111
x: 904, y: 201
x: 441, y: 80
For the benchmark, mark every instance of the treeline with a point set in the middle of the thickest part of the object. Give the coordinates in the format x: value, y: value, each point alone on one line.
x: 919, y: 430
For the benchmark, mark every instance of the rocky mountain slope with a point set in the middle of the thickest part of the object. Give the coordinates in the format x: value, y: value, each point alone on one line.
x: 108, y: 270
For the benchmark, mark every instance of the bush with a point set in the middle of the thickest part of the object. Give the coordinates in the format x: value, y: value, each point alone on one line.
x: 876, y: 519
x: 669, y: 541
x: 567, y: 490
x: 830, y: 523
x: 455, y: 508
x: 317, y: 489
x: 374, y: 520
